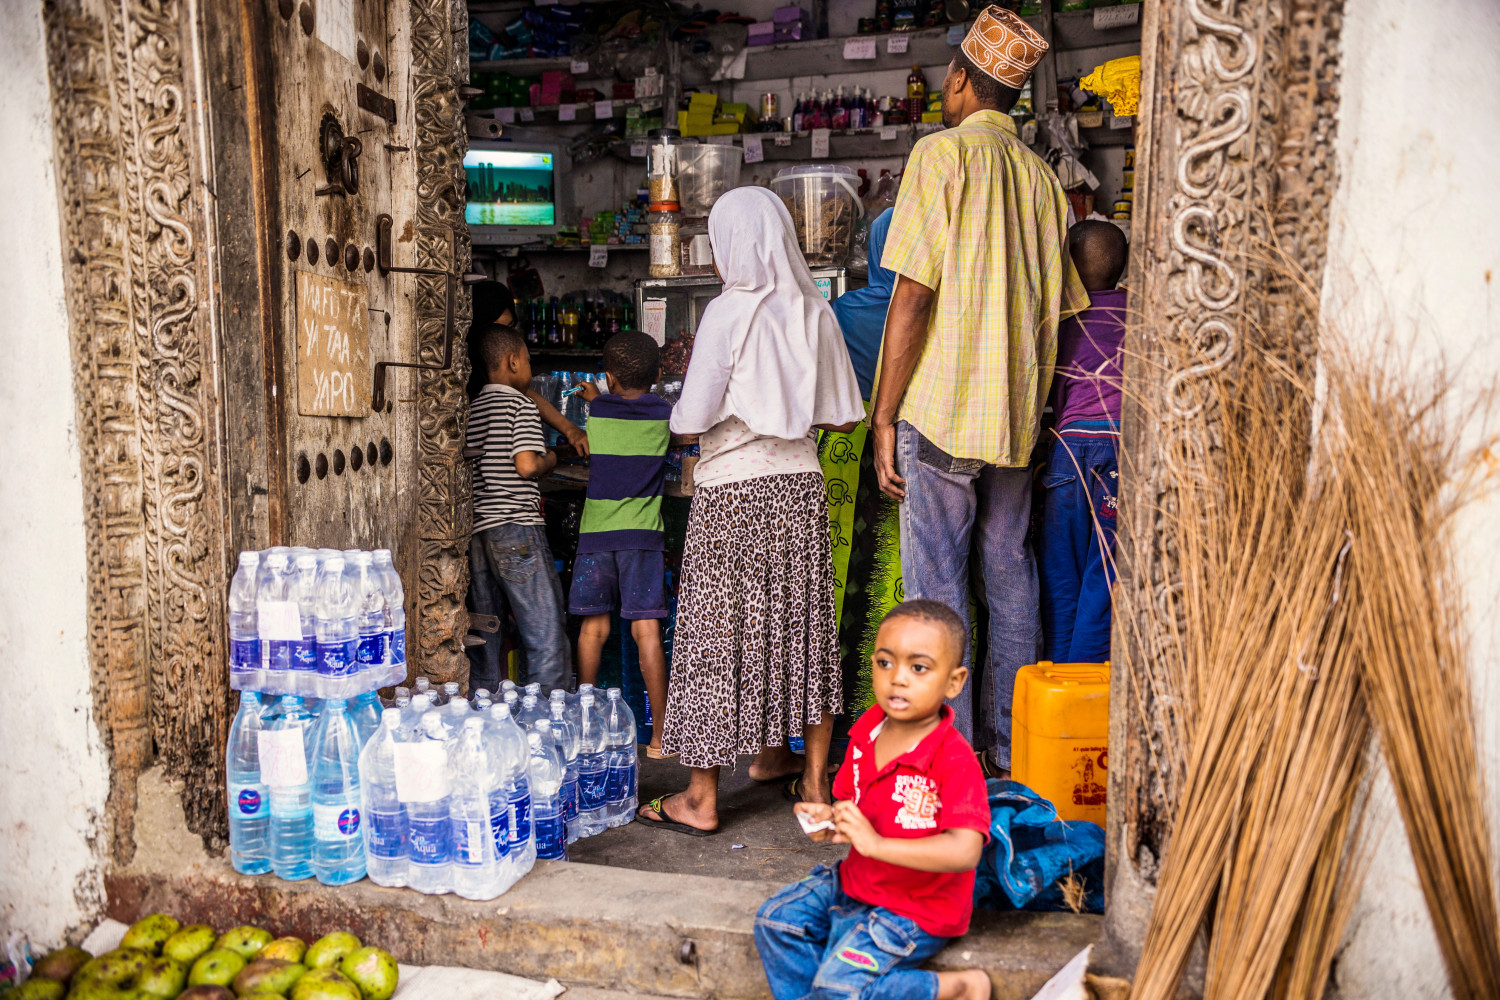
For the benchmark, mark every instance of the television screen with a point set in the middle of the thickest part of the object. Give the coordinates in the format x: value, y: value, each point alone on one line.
x: 510, y: 188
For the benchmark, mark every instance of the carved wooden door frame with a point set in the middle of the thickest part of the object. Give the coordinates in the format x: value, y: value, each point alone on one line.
x: 164, y: 247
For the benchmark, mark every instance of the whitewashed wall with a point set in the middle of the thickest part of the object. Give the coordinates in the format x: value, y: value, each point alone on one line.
x: 1414, y: 264
x: 53, y: 770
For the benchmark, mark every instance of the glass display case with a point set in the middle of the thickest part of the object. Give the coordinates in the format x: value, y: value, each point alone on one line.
x: 669, y: 309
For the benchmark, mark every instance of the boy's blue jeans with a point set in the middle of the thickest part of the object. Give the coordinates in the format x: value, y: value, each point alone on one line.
x: 815, y: 941
x: 511, y: 567
x: 953, y: 506
x: 1075, y: 544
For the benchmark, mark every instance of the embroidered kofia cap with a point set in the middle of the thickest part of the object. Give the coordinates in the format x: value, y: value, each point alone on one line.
x: 1004, y: 46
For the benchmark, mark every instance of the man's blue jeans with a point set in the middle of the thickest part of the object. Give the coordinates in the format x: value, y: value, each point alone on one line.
x: 815, y: 941
x: 1075, y: 544
x: 511, y: 568
x: 954, y: 506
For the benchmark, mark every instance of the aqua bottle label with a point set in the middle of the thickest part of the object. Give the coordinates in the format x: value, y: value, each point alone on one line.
x: 593, y: 783
x: 337, y: 659
x: 305, y: 653
x: 385, y: 834
x: 431, y: 840
x: 398, y: 645
x: 247, y: 801
x: 619, y: 783
x: 372, y: 650
x: 551, y: 837
x: 520, y: 807
x: 339, y: 821
x: 244, y: 654
x: 500, y: 824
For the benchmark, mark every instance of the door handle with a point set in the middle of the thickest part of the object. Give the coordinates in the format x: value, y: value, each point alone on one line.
x: 383, y: 227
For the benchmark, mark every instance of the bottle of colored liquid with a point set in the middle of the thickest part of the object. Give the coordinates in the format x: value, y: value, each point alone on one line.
x: 916, y: 94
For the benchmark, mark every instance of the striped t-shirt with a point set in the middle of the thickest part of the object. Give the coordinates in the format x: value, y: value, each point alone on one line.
x: 504, y: 423
x: 627, y: 469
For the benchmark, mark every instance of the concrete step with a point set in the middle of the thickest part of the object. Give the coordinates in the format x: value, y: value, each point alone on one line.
x: 604, y: 928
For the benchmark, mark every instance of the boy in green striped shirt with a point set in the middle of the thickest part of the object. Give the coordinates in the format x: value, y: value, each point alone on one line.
x: 620, y: 562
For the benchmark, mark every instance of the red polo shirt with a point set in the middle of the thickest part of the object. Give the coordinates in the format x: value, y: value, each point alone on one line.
x: 934, y: 786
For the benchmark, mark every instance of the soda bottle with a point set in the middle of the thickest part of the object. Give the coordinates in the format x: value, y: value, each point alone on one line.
x: 620, y: 781
x: 384, y: 815
x: 593, y: 767
x: 286, y: 769
x: 338, y: 845
x: 546, y: 773
x: 916, y: 94
x: 244, y: 634
x: 249, y: 813
x: 429, y: 830
x: 471, y: 780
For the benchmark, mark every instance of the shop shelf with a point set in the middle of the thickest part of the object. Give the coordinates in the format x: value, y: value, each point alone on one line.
x: 852, y: 144
x: 1074, y: 29
x: 825, y: 56
x: 1106, y: 136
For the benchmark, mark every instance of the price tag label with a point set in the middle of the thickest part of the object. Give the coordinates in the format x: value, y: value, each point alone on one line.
x: 604, y: 110
x: 638, y: 149
x: 578, y: 67
x: 1116, y: 121
x: 820, y: 143
x: 956, y: 34
x: 755, y: 150
x: 598, y: 255
x: 528, y: 115
x: 1122, y: 16
x: 888, y: 133
x: 567, y: 112
x: 896, y: 44
x: 783, y: 139
x: 720, y: 140
x: 654, y: 323
x: 421, y: 771
x: 505, y: 115
x: 859, y: 48
x: 283, y: 761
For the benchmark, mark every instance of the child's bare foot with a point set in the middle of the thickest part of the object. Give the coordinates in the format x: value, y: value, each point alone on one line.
x: 970, y: 984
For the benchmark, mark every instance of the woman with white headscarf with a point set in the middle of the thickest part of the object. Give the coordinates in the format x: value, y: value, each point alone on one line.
x: 755, y: 660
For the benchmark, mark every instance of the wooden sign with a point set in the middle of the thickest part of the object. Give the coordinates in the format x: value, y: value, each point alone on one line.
x: 333, y: 347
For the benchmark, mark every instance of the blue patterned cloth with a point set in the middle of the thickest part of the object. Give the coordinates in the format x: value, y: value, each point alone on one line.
x: 1030, y: 850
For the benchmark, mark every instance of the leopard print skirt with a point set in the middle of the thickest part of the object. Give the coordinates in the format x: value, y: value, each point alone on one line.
x: 756, y: 656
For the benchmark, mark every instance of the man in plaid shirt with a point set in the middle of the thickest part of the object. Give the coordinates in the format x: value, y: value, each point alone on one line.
x: 978, y: 243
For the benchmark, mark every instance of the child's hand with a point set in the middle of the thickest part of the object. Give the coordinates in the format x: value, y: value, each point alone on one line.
x: 852, y: 827
x: 817, y: 812
x: 589, y: 391
x: 578, y: 438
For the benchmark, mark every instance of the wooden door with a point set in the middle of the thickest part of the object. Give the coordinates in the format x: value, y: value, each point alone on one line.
x: 345, y: 407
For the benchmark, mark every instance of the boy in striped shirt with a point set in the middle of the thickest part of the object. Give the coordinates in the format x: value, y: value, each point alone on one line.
x: 620, y: 562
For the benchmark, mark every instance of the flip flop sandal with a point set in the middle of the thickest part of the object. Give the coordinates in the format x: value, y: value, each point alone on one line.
x: 654, y: 753
x: 667, y: 823
x: 989, y: 768
x: 792, y: 790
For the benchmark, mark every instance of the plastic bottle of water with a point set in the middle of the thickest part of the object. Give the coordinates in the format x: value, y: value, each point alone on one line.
x: 533, y: 709
x: 249, y: 813
x: 534, y: 689
x: 384, y: 815
x: 593, y: 767
x: 369, y: 596
x: 395, y: 611
x: 620, y: 790
x: 365, y: 710
x: 476, y: 869
x: 338, y: 845
x: 450, y: 693
x: 455, y: 712
x: 509, y: 743
x: 411, y: 719
x: 402, y: 698
x: 546, y: 774
x: 244, y: 635
x: 338, y: 628
x: 567, y: 738
x: 290, y: 788
x: 304, y: 658
x: 430, y: 832
x: 482, y: 706
x: 480, y: 694
x: 421, y: 686
x: 512, y: 699
x: 276, y: 618
x: 506, y: 685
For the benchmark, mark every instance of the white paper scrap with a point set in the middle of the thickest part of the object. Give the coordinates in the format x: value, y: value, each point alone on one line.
x: 1069, y: 983
x: 896, y: 44
x: 598, y: 255
x: 859, y: 48
x: 820, y: 143
x: 755, y: 150
x: 811, y: 826
x: 283, y: 759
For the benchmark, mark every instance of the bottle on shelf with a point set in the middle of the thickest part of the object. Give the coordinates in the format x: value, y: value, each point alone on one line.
x: 249, y: 813
x: 916, y: 94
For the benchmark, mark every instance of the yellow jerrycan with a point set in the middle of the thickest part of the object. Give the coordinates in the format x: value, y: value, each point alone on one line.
x: 1059, y: 745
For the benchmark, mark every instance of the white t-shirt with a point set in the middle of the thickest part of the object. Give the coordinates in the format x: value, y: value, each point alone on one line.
x: 730, y: 452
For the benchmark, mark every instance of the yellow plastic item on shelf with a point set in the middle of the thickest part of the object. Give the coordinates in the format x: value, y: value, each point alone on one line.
x: 1059, y: 745
x: 1118, y: 82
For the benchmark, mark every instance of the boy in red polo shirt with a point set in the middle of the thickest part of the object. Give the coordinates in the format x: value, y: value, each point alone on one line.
x: 913, y: 807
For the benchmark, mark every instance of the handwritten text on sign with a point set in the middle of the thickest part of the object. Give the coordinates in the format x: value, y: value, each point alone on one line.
x: 333, y: 347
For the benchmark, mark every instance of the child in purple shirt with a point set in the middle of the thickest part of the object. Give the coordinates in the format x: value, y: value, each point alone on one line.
x: 1076, y: 534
